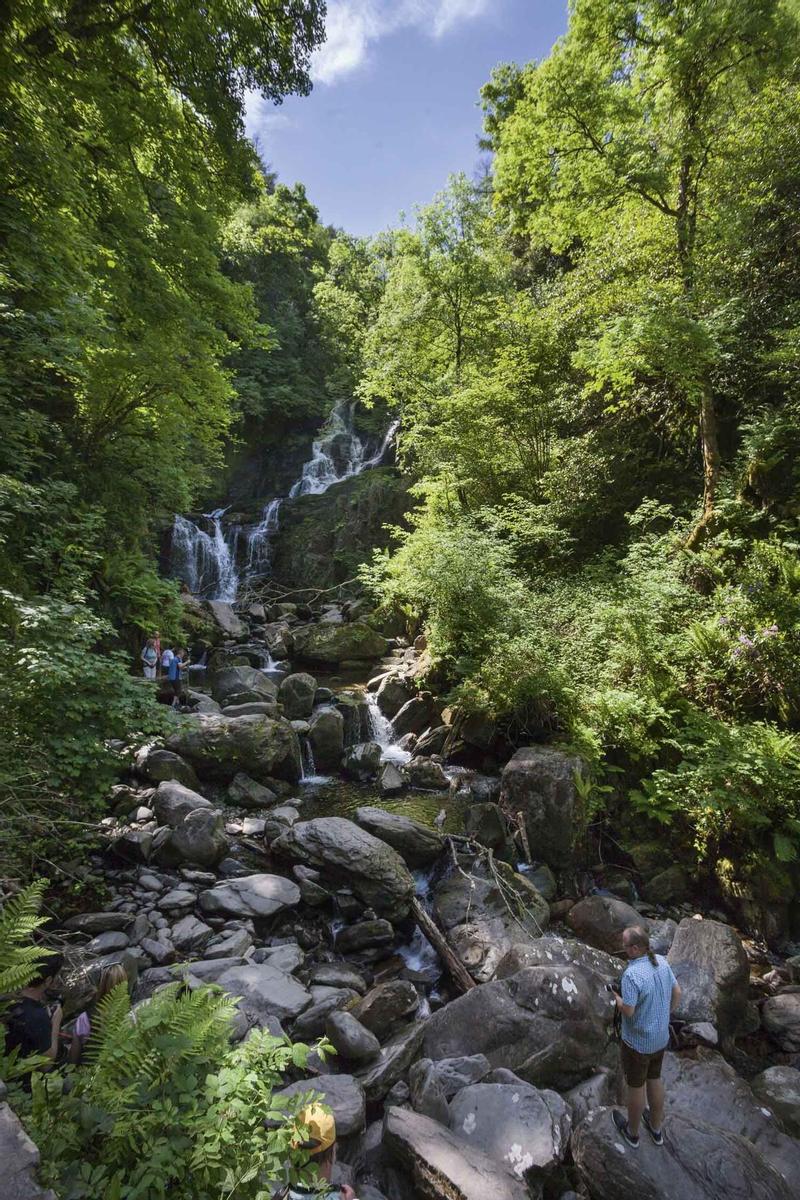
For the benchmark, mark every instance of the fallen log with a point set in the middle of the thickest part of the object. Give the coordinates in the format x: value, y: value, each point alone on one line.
x: 453, y: 964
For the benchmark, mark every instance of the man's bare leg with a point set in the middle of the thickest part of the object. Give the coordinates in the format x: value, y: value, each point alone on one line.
x: 636, y: 1099
x: 655, y: 1102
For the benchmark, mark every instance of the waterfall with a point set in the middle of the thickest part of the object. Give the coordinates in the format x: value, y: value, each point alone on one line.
x: 205, y: 561
x: 383, y: 734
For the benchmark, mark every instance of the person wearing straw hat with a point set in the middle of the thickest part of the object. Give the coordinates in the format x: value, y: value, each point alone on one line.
x: 321, y: 1144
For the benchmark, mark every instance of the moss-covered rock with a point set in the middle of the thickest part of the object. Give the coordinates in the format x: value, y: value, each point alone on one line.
x: 324, y: 539
x: 337, y: 643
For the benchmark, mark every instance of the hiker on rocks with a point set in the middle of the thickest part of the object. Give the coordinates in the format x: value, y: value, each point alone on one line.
x: 33, y: 1026
x: 649, y: 993
x: 175, y: 675
x: 322, y: 1146
x: 149, y: 659
x: 111, y: 977
x: 167, y: 656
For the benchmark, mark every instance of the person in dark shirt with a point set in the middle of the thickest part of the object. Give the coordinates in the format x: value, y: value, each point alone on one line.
x: 32, y: 1027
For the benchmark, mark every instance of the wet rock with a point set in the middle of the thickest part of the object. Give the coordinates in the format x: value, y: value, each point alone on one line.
x: 393, y: 1063
x: 547, y: 1024
x: 418, y: 844
x: 601, y: 920
x: 539, y: 782
x: 362, y: 761
x: 442, y: 1165
x: 296, y: 694
x: 335, y: 643
x: 220, y: 747
x: 260, y: 895
x: 779, y: 1089
x: 356, y: 717
x: 417, y: 714
x: 431, y: 742
x: 352, y: 1040
x: 265, y: 992
x: 159, y: 766
x: 343, y: 851
x: 326, y: 736
x: 392, y: 694
x: 519, y: 1125
x: 199, y: 838
x: 247, y: 793
x: 386, y: 1007
x: 344, y: 1096
x: 711, y: 966
x: 173, y: 802
x: 391, y: 780
x: 780, y: 1016
x: 427, y: 775
x: 697, y: 1162
x: 365, y: 935
x: 134, y: 845
x: 242, y: 685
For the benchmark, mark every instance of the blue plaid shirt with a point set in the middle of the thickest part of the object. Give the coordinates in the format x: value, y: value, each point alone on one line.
x: 649, y: 988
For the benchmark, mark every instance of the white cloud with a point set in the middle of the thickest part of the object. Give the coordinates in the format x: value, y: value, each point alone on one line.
x: 353, y: 25
x: 261, y: 116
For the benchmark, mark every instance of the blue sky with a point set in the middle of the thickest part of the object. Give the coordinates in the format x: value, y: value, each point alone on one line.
x: 394, y: 108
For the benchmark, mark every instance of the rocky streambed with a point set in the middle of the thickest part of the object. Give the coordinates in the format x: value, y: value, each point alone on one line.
x: 316, y: 814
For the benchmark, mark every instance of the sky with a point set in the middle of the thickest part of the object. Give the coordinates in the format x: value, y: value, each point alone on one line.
x: 394, y: 109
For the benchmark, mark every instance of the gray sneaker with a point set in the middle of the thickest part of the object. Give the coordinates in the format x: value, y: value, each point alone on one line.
x: 621, y: 1124
x: 655, y: 1134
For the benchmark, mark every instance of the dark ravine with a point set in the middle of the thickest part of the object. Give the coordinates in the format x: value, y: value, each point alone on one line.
x: 280, y: 844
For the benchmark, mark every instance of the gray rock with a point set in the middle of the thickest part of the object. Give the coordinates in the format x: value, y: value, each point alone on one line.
x: 485, y: 824
x: 264, y: 992
x: 711, y: 966
x: 98, y: 922
x: 598, y: 1091
x: 199, y: 838
x: 326, y: 737
x: 233, y: 944
x: 387, y: 1006
x: 344, y: 1096
x: 259, y: 895
x: 337, y: 643
x: 601, y: 920
x: 417, y: 844
x: 442, y: 1165
x: 177, y: 900
x: 453, y: 1074
x: 417, y: 714
x: 173, y: 802
x: 343, y: 851
x: 20, y: 1159
x: 393, y: 1062
x: 392, y: 694
x: 286, y: 958
x: 391, y: 780
x: 160, y: 952
x: 539, y: 782
x: 247, y: 793
x: 278, y: 820
x: 261, y: 708
x: 426, y: 1092
x: 159, y: 765
x: 338, y: 975
x: 296, y: 694
x: 519, y: 1125
x: 779, y: 1089
x: 104, y: 943
x: 219, y: 748
x: 242, y: 685
x: 780, y: 1016
x: 697, y: 1162
x: 229, y: 624
x: 352, y: 1040
x: 311, y: 1023
x: 189, y: 934
x: 426, y: 775
x: 548, y: 1024
x: 362, y: 761
x: 662, y: 935
x: 365, y: 935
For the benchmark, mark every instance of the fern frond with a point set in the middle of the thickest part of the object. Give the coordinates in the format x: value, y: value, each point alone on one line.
x: 19, y: 919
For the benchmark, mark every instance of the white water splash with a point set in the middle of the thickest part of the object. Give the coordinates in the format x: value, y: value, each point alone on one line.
x: 383, y: 734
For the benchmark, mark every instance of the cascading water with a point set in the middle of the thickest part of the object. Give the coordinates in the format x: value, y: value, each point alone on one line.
x: 207, y: 562
x: 383, y: 734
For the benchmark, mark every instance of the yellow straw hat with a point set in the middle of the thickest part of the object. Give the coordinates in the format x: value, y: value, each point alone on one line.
x: 321, y: 1127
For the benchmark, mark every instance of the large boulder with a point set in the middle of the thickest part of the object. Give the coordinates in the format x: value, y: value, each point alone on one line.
x: 344, y: 1096
x: 20, y: 1159
x: 544, y: 951
x: 296, y: 694
x: 247, y: 793
x: 337, y: 643
x: 326, y: 738
x: 156, y: 765
x: 220, y: 747
x: 346, y: 853
x: 426, y: 775
x: 779, y: 1089
x: 362, y: 761
x: 601, y: 920
x: 442, y: 1165
x: 418, y: 844
x: 350, y: 1038
x: 547, y: 1024
x: 417, y: 714
x: 706, y: 1089
x: 697, y: 1162
x: 199, y: 838
x: 250, y: 896
x: 387, y: 1006
x: 392, y: 694
x: 226, y: 619
x: 780, y: 1016
x: 393, y: 1062
x: 265, y: 992
x: 242, y: 685
x: 173, y: 802
x: 710, y: 964
x: 539, y: 782
x: 519, y: 1125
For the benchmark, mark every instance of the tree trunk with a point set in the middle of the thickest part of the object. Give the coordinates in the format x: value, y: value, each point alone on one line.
x: 455, y: 968
x: 709, y: 444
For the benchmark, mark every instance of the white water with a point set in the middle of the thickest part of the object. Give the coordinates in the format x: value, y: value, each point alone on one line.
x: 207, y: 562
x: 383, y: 734
x: 308, y: 768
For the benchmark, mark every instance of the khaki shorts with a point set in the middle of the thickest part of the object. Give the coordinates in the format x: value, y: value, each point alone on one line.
x: 638, y: 1068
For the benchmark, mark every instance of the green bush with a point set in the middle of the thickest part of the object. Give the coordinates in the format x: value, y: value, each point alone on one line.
x: 166, y: 1109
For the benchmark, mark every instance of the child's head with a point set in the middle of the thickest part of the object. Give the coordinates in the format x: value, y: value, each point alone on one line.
x: 112, y: 977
